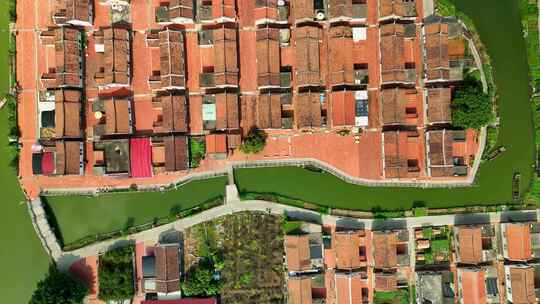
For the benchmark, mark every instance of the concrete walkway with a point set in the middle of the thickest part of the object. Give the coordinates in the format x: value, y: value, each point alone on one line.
x: 153, y: 235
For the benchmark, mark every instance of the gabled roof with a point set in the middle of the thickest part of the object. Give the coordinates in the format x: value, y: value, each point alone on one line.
x: 394, y: 104
x: 265, y: 10
x: 343, y: 108
x: 117, y: 115
x: 392, y: 52
x: 340, y: 8
x: 297, y: 252
x: 172, y: 59
x: 67, y: 45
x: 224, y: 8
x: 307, y: 110
x: 440, y: 156
x: 385, y: 249
x: 473, y: 286
x: 347, y: 247
x: 518, y: 241
x: 299, y: 289
x: 176, y: 153
x: 225, y: 57
x: 307, y: 55
x: 140, y: 155
x: 73, y: 10
x: 68, y: 113
x: 268, y: 57
x: 436, y: 51
x: 181, y: 9
x: 340, y: 45
x: 175, y: 112
x: 470, y: 245
x: 117, y: 56
x: 227, y: 116
x: 439, y: 101
x: 396, y: 8
x: 269, y: 111
x: 385, y: 282
x: 303, y: 9
x: 216, y: 143
x: 167, y: 268
x: 348, y: 288
x: 68, y: 157
x: 522, y: 283
x: 395, y: 154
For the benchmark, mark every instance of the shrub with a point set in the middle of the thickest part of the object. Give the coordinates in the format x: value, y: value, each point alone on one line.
x: 254, y: 141
x: 116, y: 274
x: 471, y: 107
x: 201, y: 281
x: 59, y: 288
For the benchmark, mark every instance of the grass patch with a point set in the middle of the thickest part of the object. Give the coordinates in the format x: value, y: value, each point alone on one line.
x: 197, y: 151
x: 427, y: 232
x: 529, y: 25
x: 82, y: 216
x: 400, y: 296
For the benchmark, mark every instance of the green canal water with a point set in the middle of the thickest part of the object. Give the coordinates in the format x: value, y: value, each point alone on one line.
x: 498, y: 23
x: 23, y: 262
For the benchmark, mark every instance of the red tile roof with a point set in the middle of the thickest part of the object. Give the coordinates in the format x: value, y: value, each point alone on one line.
x: 225, y: 57
x: 68, y: 157
x: 400, y: 147
x: 522, y: 284
x: 347, y: 247
x: 385, y: 249
x: 297, y: 252
x: 440, y: 152
x: 392, y: 53
x: 348, y: 288
x: 68, y: 113
x: 307, y: 40
x: 140, y: 156
x: 303, y: 9
x: 176, y: 153
x: 73, y: 10
x: 340, y: 45
x: 180, y: 9
x: 394, y: 105
x: 307, y: 110
x: 174, y: 112
x: 398, y: 8
x: 67, y: 46
x: 269, y: 111
x: 340, y: 8
x: 216, y: 143
x: 268, y: 57
x: 436, y: 51
x: 117, y: 115
x: 265, y: 10
x: 518, y: 242
x: 182, y: 301
x: 167, y: 268
x: 172, y: 59
x: 473, y: 286
x: 117, y: 56
x: 224, y: 8
x: 227, y: 116
x: 438, y: 105
x: 385, y: 282
x: 343, y: 108
x: 299, y: 289
x: 470, y: 245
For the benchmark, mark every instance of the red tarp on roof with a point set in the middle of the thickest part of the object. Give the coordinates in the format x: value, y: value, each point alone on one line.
x: 182, y: 301
x: 141, y: 157
x: 47, y: 163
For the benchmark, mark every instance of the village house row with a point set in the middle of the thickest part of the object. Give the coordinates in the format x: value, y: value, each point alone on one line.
x: 213, y: 70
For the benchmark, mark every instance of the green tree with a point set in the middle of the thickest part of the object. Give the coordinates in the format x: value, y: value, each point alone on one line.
x: 254, y: 142
x: 471, y: 107
x: 116, y: 274
x: 201, y: 282
x: 59, y: 288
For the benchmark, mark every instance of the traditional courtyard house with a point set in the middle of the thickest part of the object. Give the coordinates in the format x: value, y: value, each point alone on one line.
x: 161, y: 272
x: 308, y: 110
x: 520, y: 241
x: 74, y: 12
x: 474, y: 244
x: 59, y: 114
x: 478, y: 285
x: 262, y: 111
x: 64, y: 58
x: 399, y: 107
x: 307, y: 39
x: 170, y: 153
x: 223, y: 71
x: 349, y: 108
x: 340, y: 43
x: 397, y: 65
x: 175, y: 11
x: 401, y: 154
x: 390, y: 249
x: 397, y: 9
x: 299, y: 290
x: 113, y: 47
x: 268, y: 58
x: 220, y: 111
x: 350, y: 288
x: 170, y: 113
x: 438, y: 105
x: 303, y: 252
x: 113, y: 115
x: 172, y: 60
x: 266, y: 11
x: 447, y: 153
x: 521, y: 283
x: 350, y: 249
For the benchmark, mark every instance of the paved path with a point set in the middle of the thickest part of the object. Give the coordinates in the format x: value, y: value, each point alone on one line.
x: 153, y: 235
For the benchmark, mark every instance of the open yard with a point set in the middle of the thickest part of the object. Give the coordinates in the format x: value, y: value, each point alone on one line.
x: 81, y: 216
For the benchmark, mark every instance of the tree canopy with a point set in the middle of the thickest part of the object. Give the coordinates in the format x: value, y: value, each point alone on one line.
x: 59, y: 288
x: 201, y: 280
x: 116, y: 274
x: 471, y: 107
x: 254, y: 142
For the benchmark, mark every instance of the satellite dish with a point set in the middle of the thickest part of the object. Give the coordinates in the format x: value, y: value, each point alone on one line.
x: 320, y: 15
